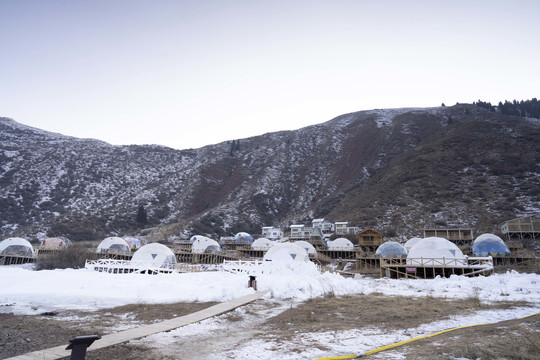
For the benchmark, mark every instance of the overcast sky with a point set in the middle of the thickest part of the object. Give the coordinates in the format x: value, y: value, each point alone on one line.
x: 192, y: 73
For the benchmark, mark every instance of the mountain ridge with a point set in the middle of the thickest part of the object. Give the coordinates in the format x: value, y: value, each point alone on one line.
x: 396, y: 170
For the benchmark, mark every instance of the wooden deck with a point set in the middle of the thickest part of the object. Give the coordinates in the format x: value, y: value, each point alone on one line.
x: 59, y: 352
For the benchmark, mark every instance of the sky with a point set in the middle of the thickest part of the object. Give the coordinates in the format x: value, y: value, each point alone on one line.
x: 185, y: 74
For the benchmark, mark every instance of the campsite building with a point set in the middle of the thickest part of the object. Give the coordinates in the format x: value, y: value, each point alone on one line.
x: 343, y: 228
x: 459, y: 236
x: 523, y: 228
x: 272, y: 233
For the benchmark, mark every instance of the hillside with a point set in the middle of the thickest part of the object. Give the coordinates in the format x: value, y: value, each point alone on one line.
x: 397, y: 170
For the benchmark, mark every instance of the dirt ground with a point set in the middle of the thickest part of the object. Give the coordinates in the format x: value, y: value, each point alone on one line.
x: 23, y: 333
x: 517, y: 339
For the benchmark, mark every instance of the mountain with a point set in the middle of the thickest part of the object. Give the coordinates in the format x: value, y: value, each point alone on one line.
x: 396, y: 170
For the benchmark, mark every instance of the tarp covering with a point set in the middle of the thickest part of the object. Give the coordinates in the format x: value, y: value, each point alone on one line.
x: 55, y: 243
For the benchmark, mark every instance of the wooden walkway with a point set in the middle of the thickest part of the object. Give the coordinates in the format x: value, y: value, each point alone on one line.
x: 59, y: 352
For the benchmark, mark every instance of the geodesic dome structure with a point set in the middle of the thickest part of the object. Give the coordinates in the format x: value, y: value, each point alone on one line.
x: 262, y: 244
x: 340, y: 244
x: 203, y: 244
x: 133, y: 242
x: 243, y: 238
x: 309, y: 248
x: 286, y: 253
x: 154, y: 255
x: 391, y: 249
x: 195, y: 237
x: 489, y: 245
x: 411, y: 242
x: 114, y: 245
x: 435, y: 248
x: 55, y: 243
x: 17, y: 247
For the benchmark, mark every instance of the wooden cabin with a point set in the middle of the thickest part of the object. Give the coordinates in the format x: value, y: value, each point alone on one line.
x: 523, y: 228
x: 369, y: 240
x: 459, y: 236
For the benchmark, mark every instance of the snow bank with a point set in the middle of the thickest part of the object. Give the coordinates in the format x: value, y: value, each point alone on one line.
x: 30, y: 292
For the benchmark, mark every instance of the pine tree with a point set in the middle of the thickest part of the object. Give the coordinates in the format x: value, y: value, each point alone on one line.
x: 141, y: 218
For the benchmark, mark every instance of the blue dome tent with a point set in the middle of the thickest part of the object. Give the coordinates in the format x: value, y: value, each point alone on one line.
x: 391, y: 249
x: 489, y: 245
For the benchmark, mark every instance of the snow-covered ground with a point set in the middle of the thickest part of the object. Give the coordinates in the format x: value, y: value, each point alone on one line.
x: 25, y: 291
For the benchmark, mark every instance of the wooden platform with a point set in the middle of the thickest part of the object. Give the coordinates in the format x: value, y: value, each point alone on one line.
x: 59, y: 352
x: 429, y: 268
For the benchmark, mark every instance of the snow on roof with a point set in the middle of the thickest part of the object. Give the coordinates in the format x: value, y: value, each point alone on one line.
x: 156, y: 254
x: 17, y: 245
x: 340, y: 244
x: 286, y: 253
x: 262, y: 244
x: 114, y: 244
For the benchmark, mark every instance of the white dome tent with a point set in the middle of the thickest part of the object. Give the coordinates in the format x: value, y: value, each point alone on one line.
x: 195, y: 237
x: 286, y: 253
x: 310, y: 249
x: 410, y: 243
x: 16, y: 251
x: 427, y: 250
x: 340, y: 244
x: 154, y: 255
x: 203, y: 244
x: 262, y: 244
x: 114, y: 245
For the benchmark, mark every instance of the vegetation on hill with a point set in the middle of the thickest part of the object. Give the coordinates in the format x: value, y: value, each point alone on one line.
x: 395, y: 170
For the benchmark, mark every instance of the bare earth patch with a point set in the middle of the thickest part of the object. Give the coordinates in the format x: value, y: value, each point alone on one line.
x: 283, y: 322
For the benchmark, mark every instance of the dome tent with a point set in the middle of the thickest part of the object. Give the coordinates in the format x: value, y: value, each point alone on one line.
x: 340, y: 244
x: 411, y: 242
x: 195, y: 237
x: 17, y: 246
x: 114, y: 245
x: 154, y: 254
x: 55, y: 243
x: 309, y: 248
x: 489, y: 245
x: 262, y: 244
x: 243, y: 238
x: 285, y: 253
x: 391, y: 249
x: 133, y: 242
x: 203, y: 244
x: 435, y: 248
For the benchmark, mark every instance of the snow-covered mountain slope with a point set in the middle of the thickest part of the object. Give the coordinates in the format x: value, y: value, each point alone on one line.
x: 397, y: 170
